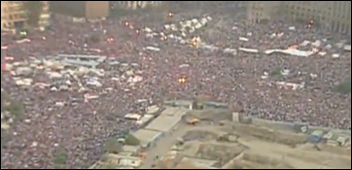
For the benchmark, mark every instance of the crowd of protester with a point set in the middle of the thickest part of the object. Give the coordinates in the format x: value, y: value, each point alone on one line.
x: 175, y: 71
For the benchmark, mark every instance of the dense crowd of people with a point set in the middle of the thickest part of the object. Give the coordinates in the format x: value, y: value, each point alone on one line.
x: 81, y: 128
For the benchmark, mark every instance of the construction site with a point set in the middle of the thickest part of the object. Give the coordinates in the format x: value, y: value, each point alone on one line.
x: 217, y: 148
x: 211, y: 138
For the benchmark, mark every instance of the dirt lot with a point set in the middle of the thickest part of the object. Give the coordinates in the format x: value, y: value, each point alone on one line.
x: 261, y: 148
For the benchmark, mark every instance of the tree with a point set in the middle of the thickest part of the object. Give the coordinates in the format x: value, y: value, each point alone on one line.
x: 113, y: 146
x: 95, y: 38
x: 14, y: 109
x: 34, y: 10
x: 344, y: 87
x: 264, y: 21
x: 60, y: 159
x: 301, y: 21
x: 132, y: 141
x: 3, y: 143
x: 276, y: 72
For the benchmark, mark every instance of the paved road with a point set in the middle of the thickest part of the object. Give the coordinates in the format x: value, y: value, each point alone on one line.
x: 163, y: 146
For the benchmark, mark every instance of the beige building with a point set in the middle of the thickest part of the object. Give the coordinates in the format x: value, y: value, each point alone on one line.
x: 260, y: 11
x: 13, y: 15
x: 333, y: 15
x: 81, y: 9
x: 97, y: 9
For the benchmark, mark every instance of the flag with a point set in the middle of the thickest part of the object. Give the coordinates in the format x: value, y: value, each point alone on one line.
x: 3, y: 67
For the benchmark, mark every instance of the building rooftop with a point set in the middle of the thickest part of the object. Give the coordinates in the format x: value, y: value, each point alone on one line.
x: 169, y: 111
x: 146, y: 136
x: 132, y: 149
x: 163, y: 123
x: 168, y: 119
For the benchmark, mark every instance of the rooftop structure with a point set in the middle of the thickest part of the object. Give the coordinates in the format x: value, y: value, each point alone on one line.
x: 146, y: 137
x: 115, y: 161
x: 168, y: 119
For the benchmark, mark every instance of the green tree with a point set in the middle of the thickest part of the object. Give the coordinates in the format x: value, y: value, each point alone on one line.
x: 14, y: 109
x: 34, y: 10
x: 301, y: 21
x: 3, y: 143
x: 113, y: 146
x: 4, y: 139
x: 344, y: 87
x: 95, y: 38
x: 60, y: 159
x: 132, y: 141
x: 276, y: 72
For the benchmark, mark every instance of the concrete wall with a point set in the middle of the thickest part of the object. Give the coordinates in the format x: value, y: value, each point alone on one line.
x: 273, y: 124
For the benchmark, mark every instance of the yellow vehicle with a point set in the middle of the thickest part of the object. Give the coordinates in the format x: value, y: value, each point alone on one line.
x: 142, y: 156
x: 195, y: 42
x: 192, y: 121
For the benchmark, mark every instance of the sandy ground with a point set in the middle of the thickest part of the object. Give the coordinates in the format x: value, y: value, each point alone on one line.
x: 303, y: 157
x: 300, y: 157
x: 162, y: 147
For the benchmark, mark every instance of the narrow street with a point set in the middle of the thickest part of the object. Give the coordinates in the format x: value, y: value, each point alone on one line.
x: 163, y: 146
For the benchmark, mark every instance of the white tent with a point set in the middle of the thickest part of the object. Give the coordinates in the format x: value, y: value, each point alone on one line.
x: 296, y: 52
x: 249, y: 50
x: 243, y: 39
x: 293, y: 52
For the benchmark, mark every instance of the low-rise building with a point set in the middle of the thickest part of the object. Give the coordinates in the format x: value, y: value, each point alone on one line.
x: 331, y: 15
x: 14, y: 15
x: 164, y: 123
x: 128, y: 150
x: 146, y: 119
x: 130, y: 162
x: 168, y: 120
x: 154, y: 109
x: 147, y: 138
x: 116, y: 161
